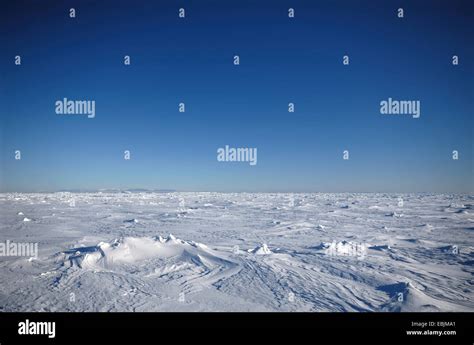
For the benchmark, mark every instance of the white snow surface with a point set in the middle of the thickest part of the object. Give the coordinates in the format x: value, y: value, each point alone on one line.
x: 150, y: 251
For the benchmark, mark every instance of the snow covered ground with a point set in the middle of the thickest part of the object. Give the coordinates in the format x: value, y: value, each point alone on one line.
x: 141, y: 251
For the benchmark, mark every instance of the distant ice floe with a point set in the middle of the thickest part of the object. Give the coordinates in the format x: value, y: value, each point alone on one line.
x: 459, y: 208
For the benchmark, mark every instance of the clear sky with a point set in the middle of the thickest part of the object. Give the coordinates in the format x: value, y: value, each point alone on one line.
x: 282, y: 60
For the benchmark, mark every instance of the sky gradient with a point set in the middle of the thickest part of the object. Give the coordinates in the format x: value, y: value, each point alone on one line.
x: 282, y: 60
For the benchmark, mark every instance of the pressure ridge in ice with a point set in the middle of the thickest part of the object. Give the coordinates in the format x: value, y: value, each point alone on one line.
x: 134, y: 250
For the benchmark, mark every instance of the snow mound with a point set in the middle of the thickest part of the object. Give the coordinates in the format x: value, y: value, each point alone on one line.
x: 261, y: 250
x: 26, y: 219
x: 462, y: 212
x: 405, y: 297
x: 20, y: 214
x: 135, y: 250
x: 450, y: 249
x: 381, y: 247
x: 394, y: 215
x: 456, y: 205
x: 342, y: 247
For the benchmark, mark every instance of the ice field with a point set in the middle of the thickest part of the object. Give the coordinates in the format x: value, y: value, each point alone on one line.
x: 152, y: 251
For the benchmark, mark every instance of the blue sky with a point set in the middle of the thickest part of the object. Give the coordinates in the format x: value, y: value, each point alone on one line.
x: 282, y: 60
